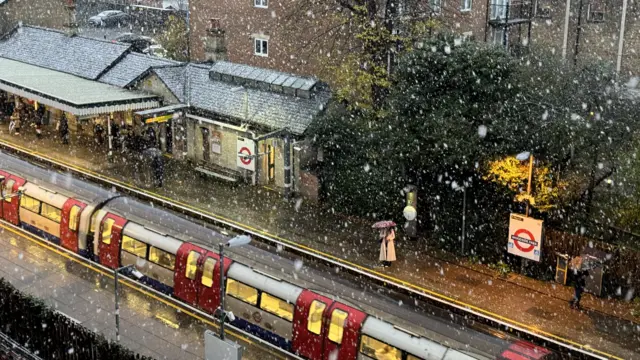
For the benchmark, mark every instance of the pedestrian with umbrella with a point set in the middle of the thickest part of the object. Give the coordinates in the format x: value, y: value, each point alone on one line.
x: 580, y: 275
x: 387, y: 246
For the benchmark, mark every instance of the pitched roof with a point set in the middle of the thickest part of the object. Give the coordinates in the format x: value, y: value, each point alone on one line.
x: 267, y: 76
x: 173, y: 78
x: 265, y: 108
x: 131, y: 67
x: 51, y: 49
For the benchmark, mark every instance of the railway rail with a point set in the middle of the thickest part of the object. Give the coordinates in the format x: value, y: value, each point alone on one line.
x: 549, y: 340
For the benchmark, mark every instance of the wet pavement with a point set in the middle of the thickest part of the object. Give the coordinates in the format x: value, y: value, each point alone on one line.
x: 147, y: 326
x: 606, y: 325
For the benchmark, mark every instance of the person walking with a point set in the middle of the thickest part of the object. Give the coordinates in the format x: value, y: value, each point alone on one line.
x: 387, y: 246
x: 578, y: 287
x: 18, y: 124
x: 63, y: 127
x: 12, y: 123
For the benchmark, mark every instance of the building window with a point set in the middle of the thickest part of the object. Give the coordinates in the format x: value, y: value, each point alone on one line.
x: 261, y: 3
x: 543, y: 10
x: 465, y: 5
x: 498, y: 9
x: 261, y: 47
x: 436, y: 6
x: 595, y: 11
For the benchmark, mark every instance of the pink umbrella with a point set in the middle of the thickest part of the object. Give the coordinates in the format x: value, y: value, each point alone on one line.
x: 384, y: 224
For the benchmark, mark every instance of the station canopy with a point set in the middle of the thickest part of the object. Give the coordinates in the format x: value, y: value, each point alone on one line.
x: 69, y: 93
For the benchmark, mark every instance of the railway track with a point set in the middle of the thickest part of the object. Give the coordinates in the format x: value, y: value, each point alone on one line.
x: 524, y: 331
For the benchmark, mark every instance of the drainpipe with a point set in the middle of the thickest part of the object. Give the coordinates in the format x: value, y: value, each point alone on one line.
x: 110, y: 157
x: 566, y: 30
x: 578, y: 30
x: 621, y: 43
x: 287, y: 166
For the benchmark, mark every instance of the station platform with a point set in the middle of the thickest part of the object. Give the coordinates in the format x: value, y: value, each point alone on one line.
x: 148, y: 326
x: 606, y: 326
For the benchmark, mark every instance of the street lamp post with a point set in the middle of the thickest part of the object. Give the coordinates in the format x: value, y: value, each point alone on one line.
x: 237, y: 241
x: 522, y: 157
x: 116, y: 272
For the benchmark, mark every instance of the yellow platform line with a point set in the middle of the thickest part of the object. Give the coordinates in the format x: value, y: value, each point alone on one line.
x: 43, y: 243
x: 323, y: 254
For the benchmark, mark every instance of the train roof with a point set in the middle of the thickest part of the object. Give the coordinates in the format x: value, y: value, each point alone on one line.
x: 151, y: 237
x: 412, y: 343
x: 274, y: 286
x: 165, y: 222
x: 54, y: 181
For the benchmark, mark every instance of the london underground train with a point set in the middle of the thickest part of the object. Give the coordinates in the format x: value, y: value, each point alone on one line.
x: 175, y: 256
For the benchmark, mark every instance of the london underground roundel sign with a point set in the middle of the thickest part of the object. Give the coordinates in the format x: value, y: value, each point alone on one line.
x: 525, y: 237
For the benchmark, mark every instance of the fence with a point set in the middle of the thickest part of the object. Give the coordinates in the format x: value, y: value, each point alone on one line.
x: 33, y: 325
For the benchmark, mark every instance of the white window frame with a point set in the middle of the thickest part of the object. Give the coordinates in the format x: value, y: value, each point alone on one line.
x: 590, y: 12
x: 436, y: 6
x: 466, y: 5
x: 264, y: 4
x: 255, y: 41
x: 498, y: 9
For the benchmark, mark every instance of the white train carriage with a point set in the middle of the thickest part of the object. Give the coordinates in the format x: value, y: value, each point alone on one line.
x: 262, y: 304
x: 41, y: 211
x: 383, y: 341
x: 151, y: 252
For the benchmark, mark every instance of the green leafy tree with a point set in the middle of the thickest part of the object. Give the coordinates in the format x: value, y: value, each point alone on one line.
x: 175, y: 39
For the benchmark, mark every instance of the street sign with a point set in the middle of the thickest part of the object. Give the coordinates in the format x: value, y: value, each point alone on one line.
x: 525, y: 237
x: 246, y: 149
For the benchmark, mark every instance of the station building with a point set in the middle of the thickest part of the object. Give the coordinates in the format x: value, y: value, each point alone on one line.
x: 231, y: 122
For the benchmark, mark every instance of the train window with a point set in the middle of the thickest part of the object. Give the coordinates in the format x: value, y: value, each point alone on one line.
x: 314, y: 321
x: 241, y: 291
x: 276, y: 306
x: 8, y: 189
x: 162, y: 258
x: 336, y: 328
x: 106, y: 230
x: 411, y: 357
x: 30, y: 204
x: 51, y: 212
x: 92, y: 224
x: 74, y: 218
x: 192, y: 265
x: 207, y: 273
x: 133, y: 246
x: 378, y: 350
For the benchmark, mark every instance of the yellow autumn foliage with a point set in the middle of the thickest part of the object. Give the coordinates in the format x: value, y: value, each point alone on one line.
x: 514, y: 175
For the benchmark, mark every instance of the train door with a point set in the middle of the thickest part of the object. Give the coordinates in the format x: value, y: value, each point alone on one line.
x: 11, y: 205
x: 70, y: 223
x: 342, y: 330
x: 308, y: 331
x: 209, y: 298
x: 110, y: 239
x: 188, y: 272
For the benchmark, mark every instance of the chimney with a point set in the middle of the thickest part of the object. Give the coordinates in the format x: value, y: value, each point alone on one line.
x: 71, y: 24
x: 215, y: 48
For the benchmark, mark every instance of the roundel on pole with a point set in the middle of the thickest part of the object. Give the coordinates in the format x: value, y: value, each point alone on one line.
x: 246, y: 152
x: 525, y: 237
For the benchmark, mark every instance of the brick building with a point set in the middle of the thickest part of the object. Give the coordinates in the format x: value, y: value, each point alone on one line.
x: 45, y: 13
x: 270, y: 34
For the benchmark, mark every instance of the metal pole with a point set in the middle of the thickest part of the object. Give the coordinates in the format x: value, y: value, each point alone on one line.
x: 621, y: 43
x: 506, y: 26
x: 529, y: 185
x: 464, y: 215
x: 287, y: 166
x: 222, y: 292
x: 110, y: 138
x: 117, y: 307
x: 578, y: 30
x: 566, y: 30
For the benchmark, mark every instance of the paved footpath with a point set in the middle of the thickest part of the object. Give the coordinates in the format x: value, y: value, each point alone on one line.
x: 606, y: 325
x: 147, y: 326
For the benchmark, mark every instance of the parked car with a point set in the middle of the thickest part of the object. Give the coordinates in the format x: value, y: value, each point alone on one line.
x: 138, y: 42
x: 109, y: 18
